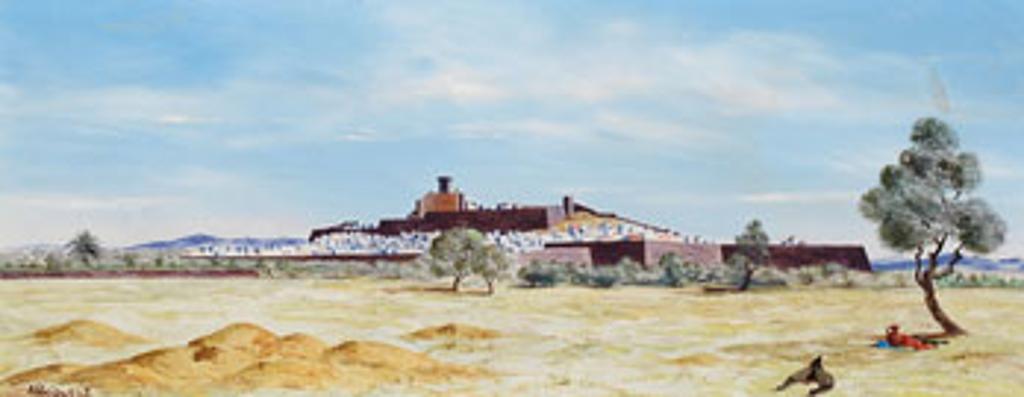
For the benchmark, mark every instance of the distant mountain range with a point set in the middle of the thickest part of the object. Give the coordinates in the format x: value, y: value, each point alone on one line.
x: 199, y: 240
x: 975, y: 263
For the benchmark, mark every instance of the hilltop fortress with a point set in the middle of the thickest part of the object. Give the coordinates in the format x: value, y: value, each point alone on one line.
x: 567, y: 232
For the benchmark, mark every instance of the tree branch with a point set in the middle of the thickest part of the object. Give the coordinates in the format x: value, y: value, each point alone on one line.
x: 933, y: 257
x: 917, y: 263
x: 950, y: 267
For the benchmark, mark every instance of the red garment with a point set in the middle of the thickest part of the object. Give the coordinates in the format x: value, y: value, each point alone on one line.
x: 896, y: 339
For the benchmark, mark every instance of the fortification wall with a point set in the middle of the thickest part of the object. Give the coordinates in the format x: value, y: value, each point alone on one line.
x: 608, y: 252
x: 519, y: 219
x: 564, y: 255
x: 789, y: 256
x: 693, y: 253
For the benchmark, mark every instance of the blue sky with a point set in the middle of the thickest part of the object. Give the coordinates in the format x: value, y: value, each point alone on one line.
x: 146, y: 120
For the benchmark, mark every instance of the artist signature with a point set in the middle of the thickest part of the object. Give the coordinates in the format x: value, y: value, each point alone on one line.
x: 43, y: 390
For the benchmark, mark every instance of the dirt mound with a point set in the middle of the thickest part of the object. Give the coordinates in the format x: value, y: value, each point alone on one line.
x: 243, y: 337
x: 293, y: 374
x: 454, y: 331
x: 204, y: 360
x: 301, y: 346
x: 378, y: 355
x: 247, y: 357
x: 86, y: 332
x: 390, y: 361
x: 48, y: 373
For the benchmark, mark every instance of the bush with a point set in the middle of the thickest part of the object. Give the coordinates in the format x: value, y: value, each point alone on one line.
x: 606, y: 277
x: 769, y: 277
x: 688, y: 273
x: 983, y: 280
x: 804, y: 275
x: 544, y: 275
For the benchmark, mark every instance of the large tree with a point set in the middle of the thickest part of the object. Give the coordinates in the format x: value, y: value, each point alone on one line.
x: 454, y: 254
x: 751, y: 252
x: 924, y: 204
x: 85, y: 247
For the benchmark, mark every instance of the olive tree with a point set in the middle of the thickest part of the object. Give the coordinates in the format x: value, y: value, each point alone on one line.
x: 85, y: 248
x: 924, y: 204
x: 751, y: 252
x: 490, y: 262
x: 454, y: 254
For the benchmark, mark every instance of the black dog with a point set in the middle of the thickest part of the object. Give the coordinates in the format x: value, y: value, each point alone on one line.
x: 814, y: 373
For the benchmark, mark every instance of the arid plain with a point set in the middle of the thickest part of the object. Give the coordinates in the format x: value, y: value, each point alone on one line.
x: 359, y: 337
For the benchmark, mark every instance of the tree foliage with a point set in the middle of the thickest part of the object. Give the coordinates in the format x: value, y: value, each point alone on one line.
x: 924, y: 203
x: 926, y: 197
x: 751, y: 252
x: 490, y: 263
x: 461, y: 252
x: 85, y: 248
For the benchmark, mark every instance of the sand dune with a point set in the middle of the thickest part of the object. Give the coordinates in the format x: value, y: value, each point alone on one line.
x: 301, y: 346
x: 47, y: 373
x: 248, y: 357
x: 86, y: 332
x: 295, y: 374
x: 454, y: 331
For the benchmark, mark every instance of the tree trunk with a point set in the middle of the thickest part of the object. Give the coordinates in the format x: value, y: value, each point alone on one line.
x: 931, y: 301
x: 748, y: 275
x: 490, y: 287
x: 455, y: 283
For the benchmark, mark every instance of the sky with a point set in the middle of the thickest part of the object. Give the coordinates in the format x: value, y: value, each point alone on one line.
x: 152, y: 120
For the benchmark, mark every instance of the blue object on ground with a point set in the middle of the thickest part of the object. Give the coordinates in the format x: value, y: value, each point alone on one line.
x: 883, y: 344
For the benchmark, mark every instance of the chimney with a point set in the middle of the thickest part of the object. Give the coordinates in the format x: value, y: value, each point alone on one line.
x: 569, y: 206
x: 444, y: 184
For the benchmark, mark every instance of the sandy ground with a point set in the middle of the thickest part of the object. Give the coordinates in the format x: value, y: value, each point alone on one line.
x: 550, y: 342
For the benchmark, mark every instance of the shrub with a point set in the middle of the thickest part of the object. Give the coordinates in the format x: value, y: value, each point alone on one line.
x: 769, y: 277
x: 984, y: 280
x: 53, y: 263
x: 606, y: 277
x: 538, y: 274
x: 805, y: 275
x: 628, y: 271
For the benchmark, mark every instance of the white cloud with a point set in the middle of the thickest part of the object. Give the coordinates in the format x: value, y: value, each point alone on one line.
x: 1002, y: 168
x: 195, y: 177
x: 72, y: 202
x: 182, y: 119
x: 584, y: 88
x: 517, y: 129
x: 862, y: 162
x: 656, y: 130
x: 808, y: 197
x: 740, y: 73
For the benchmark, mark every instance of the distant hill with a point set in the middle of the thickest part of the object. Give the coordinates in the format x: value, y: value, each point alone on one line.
x: 975, y: 263
x: 199, y: 240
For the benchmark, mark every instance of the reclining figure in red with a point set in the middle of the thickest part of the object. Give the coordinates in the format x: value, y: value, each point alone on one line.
x: 896, y: 339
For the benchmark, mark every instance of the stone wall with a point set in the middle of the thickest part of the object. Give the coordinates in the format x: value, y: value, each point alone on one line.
x: 564, y: 255
x: 516, y: 219
x: 693, y: 253
x: 789, y: 256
